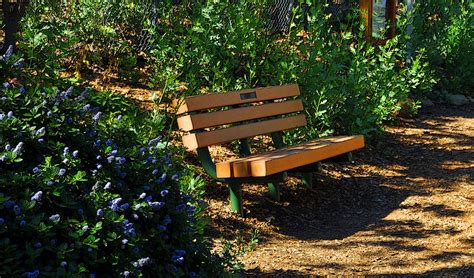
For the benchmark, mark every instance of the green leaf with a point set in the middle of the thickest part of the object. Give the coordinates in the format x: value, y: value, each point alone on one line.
x: 79, y: 176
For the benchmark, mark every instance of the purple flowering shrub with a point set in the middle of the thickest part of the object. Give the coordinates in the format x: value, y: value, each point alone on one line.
x: 89, y: 188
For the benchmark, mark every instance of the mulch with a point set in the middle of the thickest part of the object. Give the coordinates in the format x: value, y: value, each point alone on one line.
x: 405, y: 205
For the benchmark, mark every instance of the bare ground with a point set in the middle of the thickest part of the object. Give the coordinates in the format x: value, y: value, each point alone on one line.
x: 404, y: 206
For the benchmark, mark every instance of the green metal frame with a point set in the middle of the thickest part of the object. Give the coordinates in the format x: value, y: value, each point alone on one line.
x: 235, y: 191
x: 340, y: 158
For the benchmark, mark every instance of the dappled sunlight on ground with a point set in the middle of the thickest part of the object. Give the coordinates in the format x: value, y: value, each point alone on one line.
x: 404, y: 207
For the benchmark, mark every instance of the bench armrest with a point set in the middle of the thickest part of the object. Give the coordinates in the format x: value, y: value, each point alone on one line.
x: 207, y: 162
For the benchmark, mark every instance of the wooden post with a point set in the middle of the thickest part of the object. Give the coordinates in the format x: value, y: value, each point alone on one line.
x: 410, y: 30
x: 367, y: 9
x: 366, y: 16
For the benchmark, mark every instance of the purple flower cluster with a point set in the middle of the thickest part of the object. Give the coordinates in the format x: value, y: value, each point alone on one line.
x: 156, y: 205
x: 19, y: 148
x: 142, y: 262
x: 17, y: 210
x: 108, y: 186
x: 61, y: 172
x: 8, y: 204
x: 128, y: 228
x: 40, y: 132
x: 144, y: 201
x: 178, y: 256
x: 114, y: 204
x: 155, y: 141
x: 37, y: 196
x: 33, y: 274
x: 55, y: 218
x: 97, y: 117
x: 19, y: 64
x: 5, y: 57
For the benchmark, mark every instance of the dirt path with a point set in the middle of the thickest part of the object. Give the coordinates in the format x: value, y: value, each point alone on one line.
x: 406, y: 206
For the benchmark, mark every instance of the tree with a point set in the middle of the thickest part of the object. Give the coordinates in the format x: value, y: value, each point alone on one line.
x: 13, y: 11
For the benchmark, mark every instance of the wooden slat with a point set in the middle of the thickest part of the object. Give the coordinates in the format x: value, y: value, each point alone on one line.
x: 209, y: 101
x: 280, y: 160
x: 197, y: 140
x: 198, y: 121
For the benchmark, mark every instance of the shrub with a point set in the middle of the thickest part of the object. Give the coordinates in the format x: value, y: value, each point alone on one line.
x: 350, y: 86
x: 445, y: 28
x: 85, y: 190
x: 213, y: 46
x: 88, y: 37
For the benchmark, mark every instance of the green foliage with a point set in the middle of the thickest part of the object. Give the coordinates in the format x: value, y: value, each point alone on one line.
x: 233, y: 251
x: 211, y: 46
x: 86, y: 190
x: 348, y: 86
x: 87, y: 36
x: 214, y: 46
x: 445, y: 28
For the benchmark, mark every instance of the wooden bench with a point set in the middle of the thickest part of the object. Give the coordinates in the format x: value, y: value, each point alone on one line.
x: 214, y: 119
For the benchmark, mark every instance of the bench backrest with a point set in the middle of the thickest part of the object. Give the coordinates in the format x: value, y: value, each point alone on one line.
x: 219, y: 118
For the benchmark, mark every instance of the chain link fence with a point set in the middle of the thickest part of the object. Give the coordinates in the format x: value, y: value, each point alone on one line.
x: 279, y: 15
x: 280, y: 12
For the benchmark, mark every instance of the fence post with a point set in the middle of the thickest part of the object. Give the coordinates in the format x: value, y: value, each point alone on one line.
x: 410, y: 30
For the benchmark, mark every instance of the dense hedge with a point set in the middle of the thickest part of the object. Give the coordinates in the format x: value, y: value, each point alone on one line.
x: 211, y: 46
x: 90, y: 189
x: 349, y: 86
x: 445, y: 28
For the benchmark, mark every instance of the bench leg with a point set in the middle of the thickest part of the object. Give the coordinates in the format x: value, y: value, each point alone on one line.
x: 349, y: 156
x: 307, y: 179
x: 236, y: 198
x: 274, y: 190
x: 341, y: 158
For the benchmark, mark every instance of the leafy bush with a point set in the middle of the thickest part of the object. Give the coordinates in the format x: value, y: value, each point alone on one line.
x: 210, y: 46
x: 348, y: 85
x: 87, y: 37
x: 84, y: 191
x: 445, y: 28
x: 214, y: 46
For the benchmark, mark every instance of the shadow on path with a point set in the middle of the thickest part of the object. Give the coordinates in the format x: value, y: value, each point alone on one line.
x: 419, y: 158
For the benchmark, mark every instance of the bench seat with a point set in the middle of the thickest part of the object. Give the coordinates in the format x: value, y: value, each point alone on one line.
x: 280, y: 160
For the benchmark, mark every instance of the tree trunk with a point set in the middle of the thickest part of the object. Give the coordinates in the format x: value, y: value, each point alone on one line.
x: 12, y: 14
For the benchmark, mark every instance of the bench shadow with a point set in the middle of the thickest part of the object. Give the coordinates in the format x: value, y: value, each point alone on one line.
x: 342, y: 204
x: 331, y: 210
x: 338, y: 207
